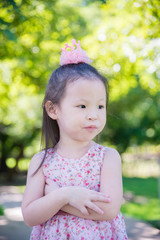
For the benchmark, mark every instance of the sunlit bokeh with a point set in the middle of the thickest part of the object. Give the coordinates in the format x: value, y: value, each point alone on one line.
x: 122, y: 38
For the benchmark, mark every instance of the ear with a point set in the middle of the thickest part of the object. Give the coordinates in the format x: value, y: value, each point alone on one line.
x: 51, y: 110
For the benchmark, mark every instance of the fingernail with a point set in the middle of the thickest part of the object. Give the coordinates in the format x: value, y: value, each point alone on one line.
x: 108, y: 197
x: 102, y: 212
x: 108, y: 200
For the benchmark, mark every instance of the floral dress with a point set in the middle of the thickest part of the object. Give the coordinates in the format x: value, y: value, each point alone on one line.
x: 84, y: 172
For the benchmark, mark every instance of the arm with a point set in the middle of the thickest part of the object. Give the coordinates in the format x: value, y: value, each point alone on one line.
x: 111, y: 184
x: 71, y: 208
x: 36, y: 207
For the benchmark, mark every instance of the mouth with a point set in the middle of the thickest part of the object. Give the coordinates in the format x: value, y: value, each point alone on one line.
x: 91, y: 127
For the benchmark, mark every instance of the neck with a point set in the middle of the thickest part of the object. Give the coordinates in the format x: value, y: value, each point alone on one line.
x: 73, y: 149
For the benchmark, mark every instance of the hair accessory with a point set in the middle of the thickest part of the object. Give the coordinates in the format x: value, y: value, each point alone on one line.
x: 74, y: 55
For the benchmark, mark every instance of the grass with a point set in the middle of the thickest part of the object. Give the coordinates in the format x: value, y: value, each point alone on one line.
x: 141, y: 199
x: 1, y: 211
x: 147, y: 187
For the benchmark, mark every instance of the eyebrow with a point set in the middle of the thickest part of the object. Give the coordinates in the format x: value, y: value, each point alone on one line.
x: 83, y: 99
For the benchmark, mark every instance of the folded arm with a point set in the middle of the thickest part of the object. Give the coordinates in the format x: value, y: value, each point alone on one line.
x: 37, y: 208
x: 111, y: 184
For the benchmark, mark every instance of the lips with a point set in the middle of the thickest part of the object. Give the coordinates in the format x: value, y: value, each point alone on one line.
x: 91, y: 127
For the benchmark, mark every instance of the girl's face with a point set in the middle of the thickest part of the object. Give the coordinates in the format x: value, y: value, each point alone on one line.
x: 81, y: 114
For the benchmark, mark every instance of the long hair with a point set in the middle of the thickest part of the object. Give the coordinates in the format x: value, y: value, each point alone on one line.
x: 54, y: 93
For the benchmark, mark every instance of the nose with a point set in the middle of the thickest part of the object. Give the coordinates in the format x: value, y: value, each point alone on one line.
x: 92, y: 116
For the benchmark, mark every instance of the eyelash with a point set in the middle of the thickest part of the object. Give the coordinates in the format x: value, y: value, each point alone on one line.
x: 101, y: 106
x: 83, y: 106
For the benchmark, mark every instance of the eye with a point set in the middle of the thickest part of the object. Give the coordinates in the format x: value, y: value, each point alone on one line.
x: 81, y: 106
x: 100, y: 107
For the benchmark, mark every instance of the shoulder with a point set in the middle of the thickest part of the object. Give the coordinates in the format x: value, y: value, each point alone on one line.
x: 111, y: 168
x: 35, y: 162
x: 108, y: 152
x: 111, y: 156
x: 37, y: 157
x: 111, y: 152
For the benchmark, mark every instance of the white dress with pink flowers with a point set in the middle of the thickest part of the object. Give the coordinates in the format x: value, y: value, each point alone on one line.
x: 84, y: 172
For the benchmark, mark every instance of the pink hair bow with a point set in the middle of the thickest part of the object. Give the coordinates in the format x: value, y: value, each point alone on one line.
x: 74, y: 55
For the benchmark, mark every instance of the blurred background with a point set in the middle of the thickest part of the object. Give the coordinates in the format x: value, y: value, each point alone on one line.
x: 122, y: 37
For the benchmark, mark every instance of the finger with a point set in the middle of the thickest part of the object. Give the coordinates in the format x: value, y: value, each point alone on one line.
x: 99, y: 193
x: 94, y: 207
x: 101, y: 198
x: 84, y: 211
x: 49, y: 181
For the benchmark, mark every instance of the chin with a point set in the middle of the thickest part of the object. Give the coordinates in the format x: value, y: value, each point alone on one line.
x: 89, y: 138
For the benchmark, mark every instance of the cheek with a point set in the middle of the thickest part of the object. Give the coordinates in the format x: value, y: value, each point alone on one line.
x: 103, y: 120
x: 103, y: 116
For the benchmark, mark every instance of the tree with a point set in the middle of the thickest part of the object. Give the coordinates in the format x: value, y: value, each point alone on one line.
x: 122, y: 37
x: 126, y: 48
x: 32, y: 33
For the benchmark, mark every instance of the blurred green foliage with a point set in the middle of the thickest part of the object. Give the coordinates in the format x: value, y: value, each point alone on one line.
x: 1, y: 211
x: 122, y: 38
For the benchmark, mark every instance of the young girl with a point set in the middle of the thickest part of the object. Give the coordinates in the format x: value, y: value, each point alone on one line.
x: 74, y: 187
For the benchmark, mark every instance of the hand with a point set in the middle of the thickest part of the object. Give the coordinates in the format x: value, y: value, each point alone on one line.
x: 50, y: 186
x: 82, y: 198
